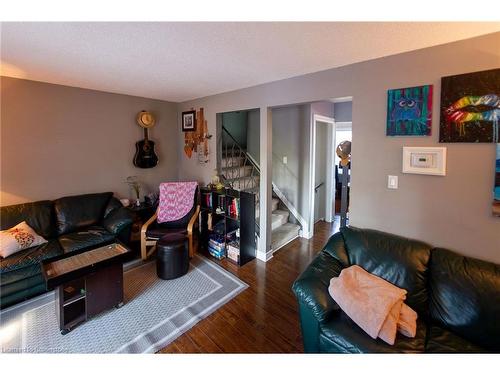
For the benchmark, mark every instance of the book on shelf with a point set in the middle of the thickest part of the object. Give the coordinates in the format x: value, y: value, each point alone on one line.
x: 233, y: 208
x: 233, y: 246
x: 207, y: 199
x: 233, y: 251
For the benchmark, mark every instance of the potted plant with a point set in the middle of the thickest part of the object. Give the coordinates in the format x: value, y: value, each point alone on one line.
x: 134, y: 183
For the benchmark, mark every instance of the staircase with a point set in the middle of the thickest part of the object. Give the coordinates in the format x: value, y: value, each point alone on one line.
x: 242, y: 173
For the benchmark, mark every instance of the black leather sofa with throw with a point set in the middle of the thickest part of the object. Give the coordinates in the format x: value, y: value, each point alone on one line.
x: 457, y: 298
x: 68, y: 224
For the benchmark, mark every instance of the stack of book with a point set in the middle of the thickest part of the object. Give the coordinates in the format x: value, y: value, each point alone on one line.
x: 233, y: 251
x: 216, y: 246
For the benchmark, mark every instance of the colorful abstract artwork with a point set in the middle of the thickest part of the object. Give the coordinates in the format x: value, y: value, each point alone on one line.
x: 496, y: 189
x: 470, y: 107
x: 409, y: 111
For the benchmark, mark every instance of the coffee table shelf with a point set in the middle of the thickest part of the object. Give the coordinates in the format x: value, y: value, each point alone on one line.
x: 87, y: 283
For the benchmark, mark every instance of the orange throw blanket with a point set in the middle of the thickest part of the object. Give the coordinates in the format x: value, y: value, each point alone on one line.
x: 373, y: 304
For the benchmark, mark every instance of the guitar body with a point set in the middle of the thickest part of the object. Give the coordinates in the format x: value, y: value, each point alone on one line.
x: 145, y: 156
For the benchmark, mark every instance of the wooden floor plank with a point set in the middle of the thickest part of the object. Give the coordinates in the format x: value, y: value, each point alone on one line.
x: 264, y: 317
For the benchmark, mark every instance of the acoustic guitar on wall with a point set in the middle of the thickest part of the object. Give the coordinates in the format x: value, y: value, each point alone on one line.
x: 145, y: 155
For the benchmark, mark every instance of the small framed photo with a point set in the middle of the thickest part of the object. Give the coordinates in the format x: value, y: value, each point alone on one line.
x: 189, y: 121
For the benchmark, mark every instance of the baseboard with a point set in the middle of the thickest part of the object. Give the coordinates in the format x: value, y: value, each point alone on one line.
x: 305, y: 234
x: 264, y: 257
x: 286, y: 243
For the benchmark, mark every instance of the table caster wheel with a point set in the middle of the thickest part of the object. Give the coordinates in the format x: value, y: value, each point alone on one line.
x: 65, y: 331
x: 119, y: 305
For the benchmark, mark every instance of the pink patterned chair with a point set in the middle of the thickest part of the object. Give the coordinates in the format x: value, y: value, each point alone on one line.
x: 177, y: 213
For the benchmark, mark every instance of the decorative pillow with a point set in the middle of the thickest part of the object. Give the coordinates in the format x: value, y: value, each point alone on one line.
x: 18, y: 238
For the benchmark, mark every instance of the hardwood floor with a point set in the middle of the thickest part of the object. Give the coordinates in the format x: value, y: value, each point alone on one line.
x: 264, y: 317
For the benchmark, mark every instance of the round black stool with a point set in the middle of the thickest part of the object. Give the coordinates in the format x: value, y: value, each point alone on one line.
x: 172, y: 256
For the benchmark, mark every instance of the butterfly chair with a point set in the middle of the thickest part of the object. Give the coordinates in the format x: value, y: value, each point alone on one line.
x: 177, y: 213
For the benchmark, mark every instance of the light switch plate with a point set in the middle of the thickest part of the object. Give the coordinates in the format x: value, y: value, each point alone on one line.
x: 285, y: 160
x: 392, y: 182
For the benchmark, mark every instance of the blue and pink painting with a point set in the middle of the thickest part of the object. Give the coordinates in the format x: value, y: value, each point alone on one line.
x: 409, y: 111
x: 496, y: 189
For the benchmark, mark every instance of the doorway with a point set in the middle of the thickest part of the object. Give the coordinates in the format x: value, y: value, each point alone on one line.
x: 322, y: 180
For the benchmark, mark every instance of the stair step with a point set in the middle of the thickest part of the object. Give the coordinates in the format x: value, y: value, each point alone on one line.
x: 232, y: 172
x: 244, y: 183
x: 274, y: 206
x: 279, y: 218
x: 283, y: 235
x: 235, y: 161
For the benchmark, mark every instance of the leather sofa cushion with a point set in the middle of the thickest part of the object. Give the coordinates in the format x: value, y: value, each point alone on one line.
x: 30, y: 257
x: 14, y: 298
x: 112, y: 205
x: 341, y: 335
x: 12, y: 277
x: 465, y: 297
x: 89, y: 237
x: 39, y: 216
x: 336, y: 248
x: 399, y: 260
x: 21, y: 285
x: 80, y: 211
x: 440, y: 340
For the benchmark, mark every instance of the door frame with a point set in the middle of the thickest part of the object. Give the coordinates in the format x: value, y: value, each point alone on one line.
x: 329, y: 184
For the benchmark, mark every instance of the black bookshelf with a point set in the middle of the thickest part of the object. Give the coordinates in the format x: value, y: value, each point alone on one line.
x: 227, y: 224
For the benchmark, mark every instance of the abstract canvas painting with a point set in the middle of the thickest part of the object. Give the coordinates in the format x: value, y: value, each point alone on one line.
x: 409, y: 111
x: 496, y: 189
x: 470, y: 107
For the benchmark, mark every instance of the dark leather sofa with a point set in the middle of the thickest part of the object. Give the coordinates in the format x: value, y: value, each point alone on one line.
x: 457, y: 298
x: 68, y: 224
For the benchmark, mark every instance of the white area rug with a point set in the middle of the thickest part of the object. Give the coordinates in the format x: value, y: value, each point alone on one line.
x: 155, y: 313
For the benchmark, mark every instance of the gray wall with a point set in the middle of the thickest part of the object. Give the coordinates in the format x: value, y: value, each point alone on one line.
x: 452, y: 211
x: 253, y: 134
x: 236, y: 125
x: 343, y: 111
x: 59, y: 140
x: 290, y: 139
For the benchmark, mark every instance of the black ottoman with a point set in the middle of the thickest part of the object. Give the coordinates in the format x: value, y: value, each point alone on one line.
x: 172, y: 256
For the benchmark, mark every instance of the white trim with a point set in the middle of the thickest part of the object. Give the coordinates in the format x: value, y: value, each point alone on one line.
x: 264, y: 257
x: 342, y: 100
x: 312, y: 173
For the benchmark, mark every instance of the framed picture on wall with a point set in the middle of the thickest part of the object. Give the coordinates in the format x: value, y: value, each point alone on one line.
x: 409, y: 111
x: 189, y: 121
x: 470, y: 107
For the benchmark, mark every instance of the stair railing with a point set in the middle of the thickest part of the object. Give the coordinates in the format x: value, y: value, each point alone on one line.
x: 236, y: 161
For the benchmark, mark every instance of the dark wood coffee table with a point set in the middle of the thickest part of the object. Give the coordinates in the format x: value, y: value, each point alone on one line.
x: 87, y: 283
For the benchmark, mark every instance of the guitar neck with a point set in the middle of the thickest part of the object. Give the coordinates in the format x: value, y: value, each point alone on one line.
x: 146, y: 135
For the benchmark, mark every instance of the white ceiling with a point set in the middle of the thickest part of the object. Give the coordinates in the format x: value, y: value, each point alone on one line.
x: 182, y: 61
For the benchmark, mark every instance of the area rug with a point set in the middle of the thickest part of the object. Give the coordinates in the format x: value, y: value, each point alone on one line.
x: 155, y: 313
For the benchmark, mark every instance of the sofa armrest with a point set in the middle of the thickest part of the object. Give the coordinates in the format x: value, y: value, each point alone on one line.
x: 118, y: 220
x: 311, y: 288
x: 336, y: 248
